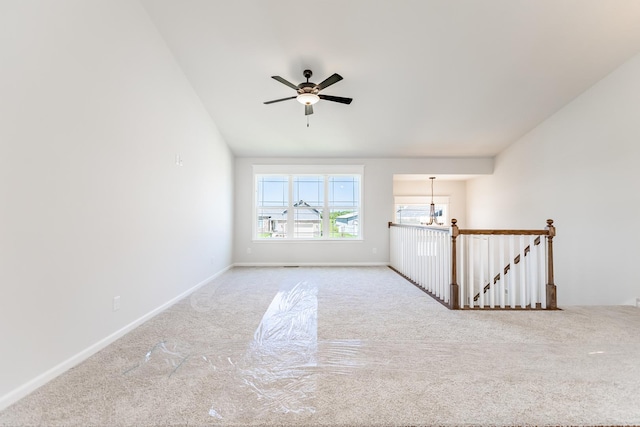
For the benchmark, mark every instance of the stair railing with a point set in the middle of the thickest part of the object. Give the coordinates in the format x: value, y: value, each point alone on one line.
x: 502, y: 268
x: 477, y: 269
x: 422, y: 255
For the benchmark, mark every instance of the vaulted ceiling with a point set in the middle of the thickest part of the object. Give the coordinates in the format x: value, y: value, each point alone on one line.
x: 428, y: 77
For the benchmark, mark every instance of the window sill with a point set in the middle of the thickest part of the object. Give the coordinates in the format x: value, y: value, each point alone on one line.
x: 354, y: 240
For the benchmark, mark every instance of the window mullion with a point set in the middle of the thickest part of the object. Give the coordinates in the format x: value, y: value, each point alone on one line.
x: 326, y: 232
x: 290, y: 212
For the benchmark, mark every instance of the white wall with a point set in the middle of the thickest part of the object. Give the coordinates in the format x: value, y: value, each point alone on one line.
x: 455, y: 190
x: 378, y: 210
x: 580, y: 168
x: 92, y: 114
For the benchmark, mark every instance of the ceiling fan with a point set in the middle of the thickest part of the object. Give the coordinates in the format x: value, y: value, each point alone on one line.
x: 308, y: 92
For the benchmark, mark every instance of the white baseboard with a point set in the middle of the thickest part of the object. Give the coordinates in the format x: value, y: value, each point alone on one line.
x: 311, y: 264
x: 22, y: 391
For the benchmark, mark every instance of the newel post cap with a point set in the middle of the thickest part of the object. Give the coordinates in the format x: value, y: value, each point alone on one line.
x: 551, y: 228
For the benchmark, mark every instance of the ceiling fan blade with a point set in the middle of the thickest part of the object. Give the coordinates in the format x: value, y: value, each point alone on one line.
x: 336, y: 99
x: 308, y: 109
x: 278, y: 100
x: 335, y: 78
x: 285, y: 82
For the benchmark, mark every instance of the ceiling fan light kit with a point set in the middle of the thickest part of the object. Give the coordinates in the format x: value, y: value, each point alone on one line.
x: 308, y: 98
x: 308, y: 92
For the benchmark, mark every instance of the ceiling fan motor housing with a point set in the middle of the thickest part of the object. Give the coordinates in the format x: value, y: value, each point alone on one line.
x: 307, y: 87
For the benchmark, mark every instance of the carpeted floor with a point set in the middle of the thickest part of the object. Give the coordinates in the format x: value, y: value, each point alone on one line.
x: 349, y: 347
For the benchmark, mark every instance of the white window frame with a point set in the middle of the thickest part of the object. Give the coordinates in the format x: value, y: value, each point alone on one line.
x: 309, y: 170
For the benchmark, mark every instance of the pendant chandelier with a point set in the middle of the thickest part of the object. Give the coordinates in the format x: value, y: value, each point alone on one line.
x: 433, y: 220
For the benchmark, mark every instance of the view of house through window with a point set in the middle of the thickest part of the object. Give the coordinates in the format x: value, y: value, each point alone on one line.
x: 418, y: 212
x: 308, y: 206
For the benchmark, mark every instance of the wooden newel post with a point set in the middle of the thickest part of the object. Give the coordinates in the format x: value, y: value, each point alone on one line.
x: 454, y: 300
x: 552, y: 302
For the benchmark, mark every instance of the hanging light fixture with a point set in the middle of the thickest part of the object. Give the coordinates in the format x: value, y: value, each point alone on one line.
x: 432, y: 212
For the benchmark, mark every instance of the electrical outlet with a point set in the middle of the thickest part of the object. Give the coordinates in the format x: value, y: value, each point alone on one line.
x: 213, y: 260
x: 374, y: 250
x: 249, y: 250
x: 116, y: 303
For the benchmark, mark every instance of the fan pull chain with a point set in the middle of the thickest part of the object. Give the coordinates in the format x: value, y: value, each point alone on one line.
x: 307, y: 121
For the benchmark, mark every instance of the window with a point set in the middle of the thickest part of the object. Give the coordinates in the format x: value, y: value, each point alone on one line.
x: 416, y: 210
x: 308, y: 206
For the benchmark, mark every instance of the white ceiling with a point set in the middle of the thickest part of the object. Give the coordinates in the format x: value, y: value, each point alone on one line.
x: 428, y: 77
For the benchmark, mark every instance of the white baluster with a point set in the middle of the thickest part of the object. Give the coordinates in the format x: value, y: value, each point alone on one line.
x: 392, y: 247
x: 512, y: 273
x: 433, y: 259
x: 396, y: 249
x: 399, y: 249
x: 447, y: 267
x: 404, y: 251
x: 418, y: 258
x: 427, y: 239
x: 492, y: 290
x: 521, y: 270
x: 543, y: 271
x: 445, y: 272
x: 425, y: 263
x: 461, y: 245
x: 482, y: 258
x: 413, y: 253
x: 434, y: 262
x: 501, y: 265
x: 416, y: 267
x: 439, y: 263
x: 407, y: 254
x: 443, y: 278
x: 419, y: 280
x: 532, y: 270
x: 410, y: 252
x: 471, y: 278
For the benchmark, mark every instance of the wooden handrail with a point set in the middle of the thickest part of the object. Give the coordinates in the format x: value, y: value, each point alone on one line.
x: 506, y: 232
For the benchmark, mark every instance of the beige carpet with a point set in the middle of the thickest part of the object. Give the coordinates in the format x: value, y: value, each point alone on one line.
x: 349, y: 346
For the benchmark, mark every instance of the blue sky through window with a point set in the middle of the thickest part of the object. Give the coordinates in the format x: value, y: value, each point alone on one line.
x: 309, y: 189
x: 344, y: 191
x: 273, y: 191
